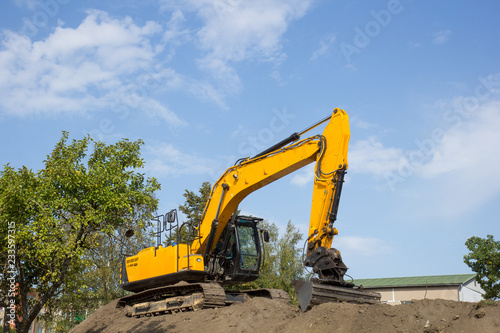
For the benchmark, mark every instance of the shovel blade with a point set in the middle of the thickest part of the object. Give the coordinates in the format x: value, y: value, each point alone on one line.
x: 310, y: 293
x: 303, y: 289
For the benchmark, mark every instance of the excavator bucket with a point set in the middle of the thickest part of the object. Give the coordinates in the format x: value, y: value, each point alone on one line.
x: 312, y: 293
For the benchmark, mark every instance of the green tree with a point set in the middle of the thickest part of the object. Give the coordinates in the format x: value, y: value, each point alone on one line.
x: 195, y: 203
x: 98, y: 284
x: 283, y: 262
x: 484, y: 260
x: 193, y: 209
x: 62, y: 212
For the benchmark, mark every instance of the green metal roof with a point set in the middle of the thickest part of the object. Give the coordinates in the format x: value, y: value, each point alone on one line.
x: 456, y: 279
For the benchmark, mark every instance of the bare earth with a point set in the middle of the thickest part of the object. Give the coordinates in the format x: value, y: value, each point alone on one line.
x: 265, y: 315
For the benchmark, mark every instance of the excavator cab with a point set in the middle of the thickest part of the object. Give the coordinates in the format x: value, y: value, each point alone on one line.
x: 237, y: 255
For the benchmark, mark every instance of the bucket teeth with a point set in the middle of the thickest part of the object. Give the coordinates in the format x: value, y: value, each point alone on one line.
x: 309, y: 294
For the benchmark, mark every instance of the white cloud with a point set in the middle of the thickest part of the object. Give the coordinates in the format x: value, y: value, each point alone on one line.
x: 361, y: 123
x: 103, y: 63
x: 365, y: 156
x: 240, y: 131
x: 450, y: 174
x: 370, y: 156
x: 174, y: 32
x: 76, y: 69
x: 225, y: 75
x: 235, y: 30
x: 324, y: 47
x: 441, y: 37
x: 303, y: 177
x: 166, y: 160
x: 463, y: 166
x: 247, y: 29
x: 456, y: 171
x: 471, y: 145
x: 29, y: 4
x: 414, y: 44
x: 363, y: 246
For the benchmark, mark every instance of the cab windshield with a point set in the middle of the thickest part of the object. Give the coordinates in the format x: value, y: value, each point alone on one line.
x: 248, y: 248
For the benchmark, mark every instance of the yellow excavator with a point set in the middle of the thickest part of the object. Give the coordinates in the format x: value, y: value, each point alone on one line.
x: 226, y: 249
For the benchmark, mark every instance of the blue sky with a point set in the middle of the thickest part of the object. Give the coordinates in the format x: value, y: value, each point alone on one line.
x: 206, y: 82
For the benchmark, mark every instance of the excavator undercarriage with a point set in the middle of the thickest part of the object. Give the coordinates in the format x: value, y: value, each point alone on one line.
x: 171, y: 299
x: 183, y: 297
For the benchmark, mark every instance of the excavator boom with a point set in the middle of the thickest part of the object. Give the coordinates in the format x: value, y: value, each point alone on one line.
x: 328, y: 150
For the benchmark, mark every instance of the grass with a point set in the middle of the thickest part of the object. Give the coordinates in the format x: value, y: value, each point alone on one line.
x: 486, y: 303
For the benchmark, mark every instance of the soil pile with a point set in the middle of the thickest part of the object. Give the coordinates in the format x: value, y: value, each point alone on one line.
x: 265, y: 315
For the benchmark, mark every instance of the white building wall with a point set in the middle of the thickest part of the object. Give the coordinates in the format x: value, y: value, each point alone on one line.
x: 470, y: 291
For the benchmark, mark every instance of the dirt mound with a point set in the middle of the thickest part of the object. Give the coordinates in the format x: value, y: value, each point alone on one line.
x: 265, y: 315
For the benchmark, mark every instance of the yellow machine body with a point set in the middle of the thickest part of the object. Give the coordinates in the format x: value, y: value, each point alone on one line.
x: 152, y: 262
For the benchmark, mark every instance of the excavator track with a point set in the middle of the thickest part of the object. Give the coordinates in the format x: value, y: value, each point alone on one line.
x: 315, y: 293
x: 244, y: 295
x: 171, y: 299
x: 189, y: 297
x: 278, y: 294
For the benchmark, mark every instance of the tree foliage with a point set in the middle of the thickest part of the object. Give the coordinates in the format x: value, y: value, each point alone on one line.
x: 484, y: 260
x: 63, y: 211
x: 193, y: 209
x: 283, y: 260
x: 98, y: 283
x: 195, y: 203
